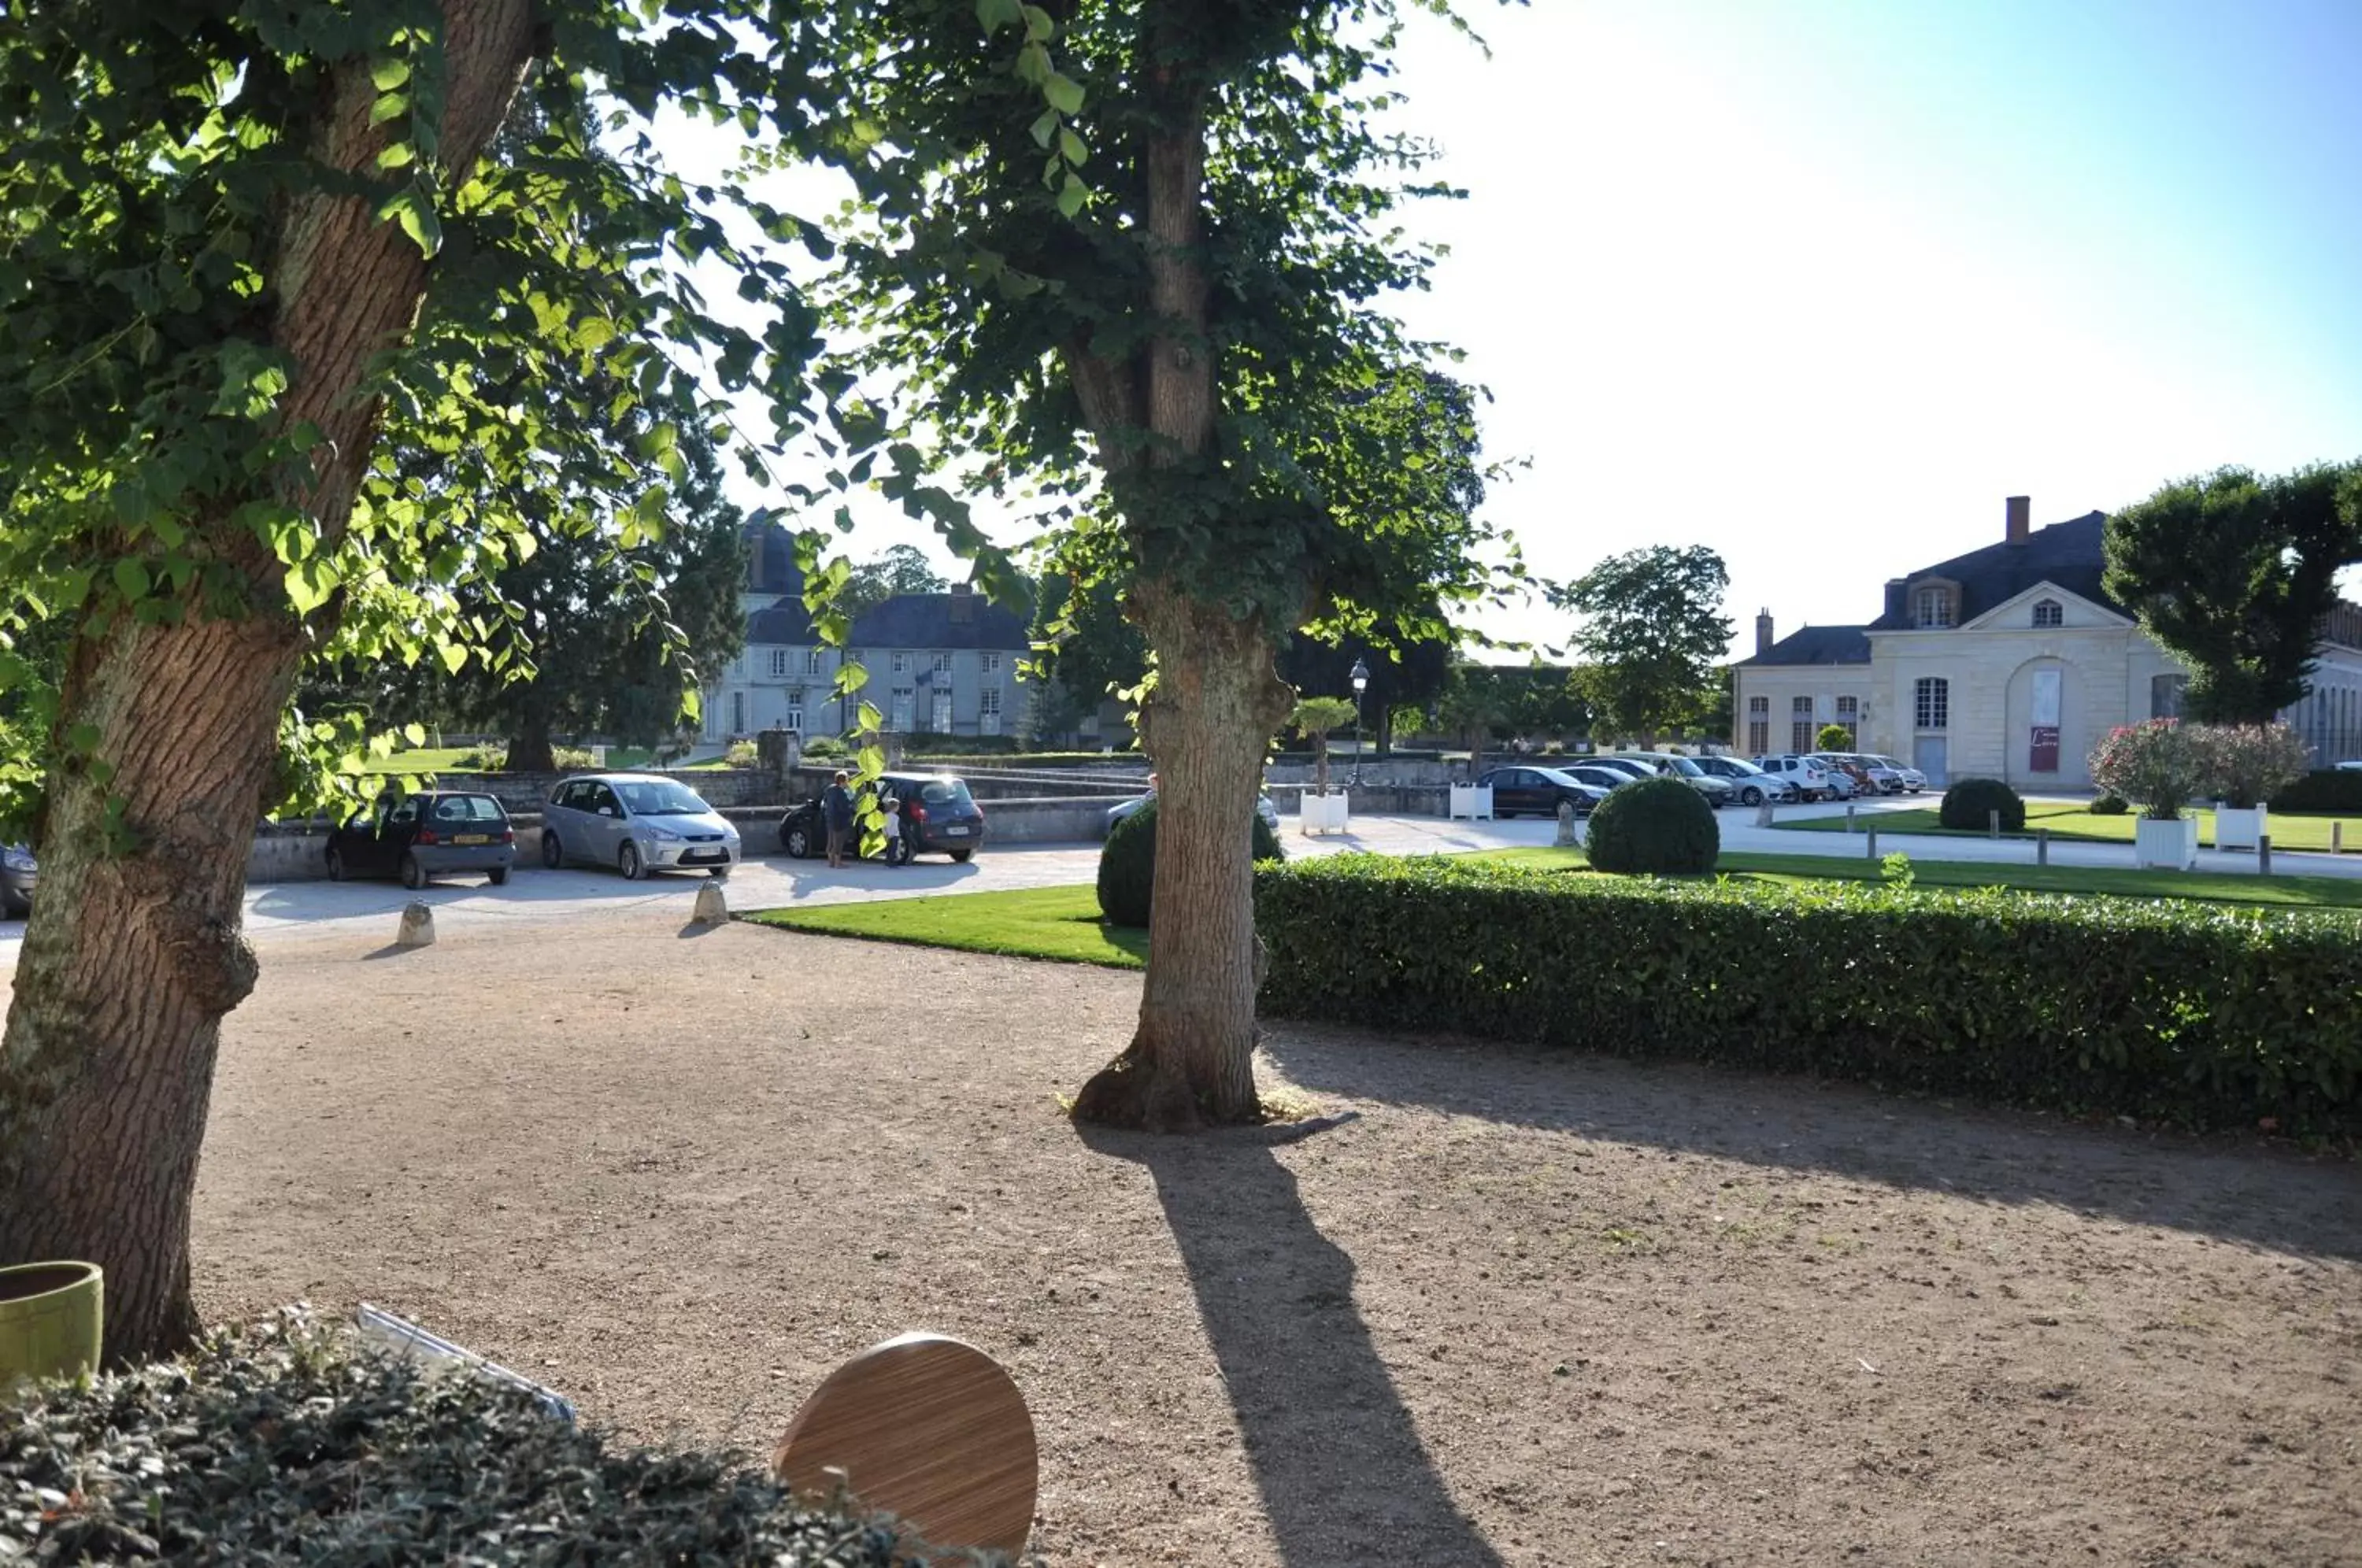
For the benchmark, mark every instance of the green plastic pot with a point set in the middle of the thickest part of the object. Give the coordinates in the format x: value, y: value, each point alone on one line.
x: 52, y: 1316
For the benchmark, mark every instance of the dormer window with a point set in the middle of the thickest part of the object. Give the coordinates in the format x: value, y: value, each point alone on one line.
x: 1934, y: 607
x: 2049, y: 613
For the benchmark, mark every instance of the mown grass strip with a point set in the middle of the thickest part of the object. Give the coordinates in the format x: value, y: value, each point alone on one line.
x: 2071, y: 822
x: 1061, y: 924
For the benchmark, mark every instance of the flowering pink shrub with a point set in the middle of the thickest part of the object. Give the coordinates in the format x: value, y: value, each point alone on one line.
x: 2246, y: 765
x: 2154, y: 764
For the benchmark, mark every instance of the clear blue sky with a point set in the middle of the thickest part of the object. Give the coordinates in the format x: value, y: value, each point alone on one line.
x: 1819, y: 282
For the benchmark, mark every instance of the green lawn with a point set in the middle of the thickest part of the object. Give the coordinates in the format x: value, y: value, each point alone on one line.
x: 1061, y: 923
x: 2214, y: 887
x: 2066, y: 820
x: 422, y: 759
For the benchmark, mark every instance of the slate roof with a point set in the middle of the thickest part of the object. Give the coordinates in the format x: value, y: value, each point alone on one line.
x: 771, y: 564
x: 1817, y: 644
x: 785, y: 622
x: 925, y: 621
x: 2069, y: 554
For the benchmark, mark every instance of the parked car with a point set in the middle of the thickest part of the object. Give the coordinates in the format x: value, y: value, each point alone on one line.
x: 1623, y: 765
x: 18, y: 872
x: 1852, y: 772
x: 1597, y: 776
x: 1750, y: 784
x: 420, y: 837
x: 1883, y: 775
x: 1714, y: 787
x: 1263, y: 807
x: 637, y: 823
x: 1539, y: 790
x: 938, y: 816
x: 1652, y: 764
x: 1808, y: 778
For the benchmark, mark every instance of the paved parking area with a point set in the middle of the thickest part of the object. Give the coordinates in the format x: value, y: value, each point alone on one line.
x: 281, y: 911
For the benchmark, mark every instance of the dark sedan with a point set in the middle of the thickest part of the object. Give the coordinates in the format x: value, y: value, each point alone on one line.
x: 19, y: 874
x: 421, y: 837
x: 1539, y: 790
x: 939, y: 817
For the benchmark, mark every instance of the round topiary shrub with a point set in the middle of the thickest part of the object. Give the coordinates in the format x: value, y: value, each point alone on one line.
x: 1128, y: 864
x: 1653, y: 827
x: 1969, y: 803
x: 2109, y: 806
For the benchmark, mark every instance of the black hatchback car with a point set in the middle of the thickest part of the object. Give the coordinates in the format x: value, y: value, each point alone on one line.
x: 939, y: 817
x: 419, y: 837
x: 1540, y: 791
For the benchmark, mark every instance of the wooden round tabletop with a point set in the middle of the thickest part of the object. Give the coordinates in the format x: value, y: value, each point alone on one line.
x: 928, y: 1429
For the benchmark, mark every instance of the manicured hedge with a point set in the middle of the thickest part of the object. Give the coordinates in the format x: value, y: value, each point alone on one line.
x: 1969, y: 805
x: 1127, y: 879
x: 2200, y: 1015
x: 2331, y: 791
x: 285, y: 1444
x: 1657, y: 825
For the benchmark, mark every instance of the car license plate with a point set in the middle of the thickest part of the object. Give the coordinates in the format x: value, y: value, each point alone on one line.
x: 954, y: 832
x: 472, y: 838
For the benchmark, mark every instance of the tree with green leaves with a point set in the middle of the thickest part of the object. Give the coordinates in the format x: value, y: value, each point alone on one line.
x: 1156, y: 302
x: 2233, y: 573
x: 900, y: 568
x: 240, y: 243
x: 1084, y: 652
x: 1653, y: 634
x: 1313, y: 719
x: 1832, y: 738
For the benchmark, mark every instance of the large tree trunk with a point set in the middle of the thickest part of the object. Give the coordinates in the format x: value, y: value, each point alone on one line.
x: 529, y: 750
x: 134, y: 952
x: 1191, y: 1061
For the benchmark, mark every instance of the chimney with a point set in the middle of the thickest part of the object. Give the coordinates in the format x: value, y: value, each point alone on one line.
x: 1896, y: 597
x: 963, y: 604
x: 1763, y: 631
x: 2020, y: 525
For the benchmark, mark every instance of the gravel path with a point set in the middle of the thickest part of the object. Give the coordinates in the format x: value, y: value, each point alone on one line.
x: 1523, y: 1311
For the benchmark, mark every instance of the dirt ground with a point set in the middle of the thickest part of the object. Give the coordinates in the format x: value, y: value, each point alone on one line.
x: 1524, y: 1311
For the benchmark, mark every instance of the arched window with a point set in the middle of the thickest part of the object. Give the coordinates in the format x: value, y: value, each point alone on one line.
x: 1931, y: 702
x: 2049, y: 613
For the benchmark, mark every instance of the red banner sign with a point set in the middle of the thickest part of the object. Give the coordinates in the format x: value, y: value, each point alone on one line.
x: 2046, y: 749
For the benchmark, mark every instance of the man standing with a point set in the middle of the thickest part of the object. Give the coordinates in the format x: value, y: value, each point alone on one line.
x: 836, y: 806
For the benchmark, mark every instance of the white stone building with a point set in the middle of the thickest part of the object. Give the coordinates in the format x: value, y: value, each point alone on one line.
x: 2009, y: 662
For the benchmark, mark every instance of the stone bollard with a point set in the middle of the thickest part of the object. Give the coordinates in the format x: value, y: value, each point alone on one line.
x: 1849, y: 816
x: 1874, y: 841
x: 1993, y: 823
x: 2042, y: 846
x: 1565, y: 824
x: 2338, y: 838
x: 2263, y: 854
x: 1763, y: 814
x: 713, y: 908
x: 417, y: 926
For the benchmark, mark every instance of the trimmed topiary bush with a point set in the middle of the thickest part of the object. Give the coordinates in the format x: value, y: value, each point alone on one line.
x: 1969, y: 804
x: 2201, y: 1014
x: 2109, y: 806
x: 1653, y: 827
x: 290, y: 1443
x: 2329, y: 792
x: 1128, y: 864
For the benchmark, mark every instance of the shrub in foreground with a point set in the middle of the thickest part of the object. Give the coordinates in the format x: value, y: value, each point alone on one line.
x: 289, y: 1443
x: 1128, y: 864
x: 2109, y: 806
x: 2198, y: 1014
x: 1653, y: 826
x: 1968, y: 804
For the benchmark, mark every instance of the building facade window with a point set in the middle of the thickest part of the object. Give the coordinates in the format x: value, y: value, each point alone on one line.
x: 987, y: 708
x: 1759, y: 726
x: 903, y: 709
x: 779, y: 663
x: 795, y: 720
x: 992, y: 664
x: 1931, y: 702
x: 1935, y: 607
x: 2165, y: 694
x: 2049, y: 613
x: 738, y: 712
x: 942, y: 664
x: 901, y: 664
x: 811, y: 662
x: 1800, y: 729
x: 1850, y: 716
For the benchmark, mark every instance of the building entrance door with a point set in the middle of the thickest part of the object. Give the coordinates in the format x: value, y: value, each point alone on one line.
x: 1929, y: 754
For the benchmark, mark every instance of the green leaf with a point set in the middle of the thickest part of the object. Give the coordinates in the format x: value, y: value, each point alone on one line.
x: 389, y: 75
x: 454, y: 655
x: 994, y: 14
x: 417, y: 219
x: 309, y: 583
x: 1038, y: 24
x: 395, y: 155
x: 1071, y: 196
x: 415, y: 733
x: 1046, y: 127
x: 393, y: 105
x: 130, y: 579
x: 1065, y: 94
x: 1071, y: 148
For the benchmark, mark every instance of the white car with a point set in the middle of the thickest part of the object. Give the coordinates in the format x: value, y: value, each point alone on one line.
x: 1263, y: 808
x: 1808, y: 778
x: 1750, y: 784
x: 1912, y: 780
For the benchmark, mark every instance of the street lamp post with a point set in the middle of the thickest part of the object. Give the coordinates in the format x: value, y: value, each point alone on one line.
x: 1360, y: 679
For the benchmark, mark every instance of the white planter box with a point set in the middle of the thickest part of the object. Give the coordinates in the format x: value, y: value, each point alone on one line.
x: 1322, y: 813
x: 2172, y: 846
x: 2236, y: 828
x: 1469, y: 800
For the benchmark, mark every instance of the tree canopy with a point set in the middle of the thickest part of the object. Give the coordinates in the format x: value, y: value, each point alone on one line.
x: 899, y: 569
x: 1652, y: 634
x: 2233, y: 573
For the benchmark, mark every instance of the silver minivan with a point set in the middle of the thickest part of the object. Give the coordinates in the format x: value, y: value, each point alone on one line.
x: 637, y: 823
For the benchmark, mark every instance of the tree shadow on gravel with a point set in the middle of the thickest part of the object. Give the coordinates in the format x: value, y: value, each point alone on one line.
x: 2271, y: 1195
x: 1343, y: 1474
